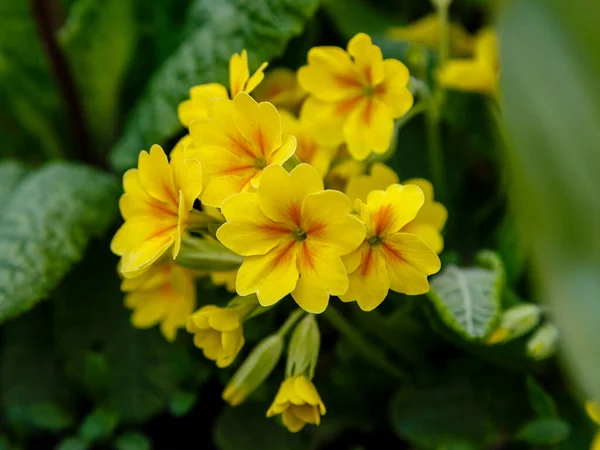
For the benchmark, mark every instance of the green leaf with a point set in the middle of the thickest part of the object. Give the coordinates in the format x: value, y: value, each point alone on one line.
x: 182, y: 402
x: 32, y: 119
x: 466, y: 405
x: 100, y: 424
x: 133, y: 441
x: 544, y: 431
x: 246, y: 426
x: 223, y: 27
x: 355, y: 16
x: 553, y: 133
x: 98, y: 40
x: 45, y: 227
x: 468, y: 299
x: 11, y: 173
x: 72, y: 443
x: 541, y: 402
x: 34, y: 394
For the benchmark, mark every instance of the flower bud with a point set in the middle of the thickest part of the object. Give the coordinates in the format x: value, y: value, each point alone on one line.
x: 543, y: 343
x: 516, y: 322
x: 303, y: 351
x: 254, y: 370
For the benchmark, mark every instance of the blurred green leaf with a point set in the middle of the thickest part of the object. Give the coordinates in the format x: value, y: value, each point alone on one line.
x: 544, y: 431
x: 11, y: 173
x: 31, y: 118
x: 223, y: 27
x: 467, y: 405
x: 355, y: 16
x: 45, y: 227
x: 468, y: 299
x: 72, y: 443
x: 133, y: 441
x: 98, y: 39
x: 246, y: 426
x: 34, y: 394
x: 541, y: 402
x: 550, y: 59
x: 100, y: 424
x: 182, y: 402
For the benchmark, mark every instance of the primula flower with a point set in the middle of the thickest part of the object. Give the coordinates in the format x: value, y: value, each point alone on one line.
x: 342, y: 172
x: 308, y: 148
x: 426, y: 31
x: 292, y: 233
x: 356, y: 95
x: 431, y: 218
x: 281, y: 88
x: 158, y: 198
x: 165, y: 294
x: 479, y: 74
x: 196, y: 107
x: 298, y: 402
x: 226, y: 279
x: 593, y: 412
x: 235, y: 143
x: 389, y: 258
x: 219, y: 331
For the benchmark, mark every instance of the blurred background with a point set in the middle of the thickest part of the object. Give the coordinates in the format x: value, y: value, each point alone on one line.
x: 86, y: 84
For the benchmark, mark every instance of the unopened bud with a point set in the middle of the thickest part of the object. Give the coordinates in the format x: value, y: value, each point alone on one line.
x: 303, y: 351
x: 254, y: 370
x: 516, y: 322
x: 543, y: 343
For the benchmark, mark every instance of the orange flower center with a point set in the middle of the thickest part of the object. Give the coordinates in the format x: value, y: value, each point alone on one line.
x: 369, y: 91
x: 260, y: 163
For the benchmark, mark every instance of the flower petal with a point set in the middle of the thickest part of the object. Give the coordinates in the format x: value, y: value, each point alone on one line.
x: 321, y: 273
x: 220, y: 189
x: 271, y: 276
x: 389, y: 211
x: 285, y: 152
x: 292, y: 423
x: 328, y: 119
x: 409, y: 260
x: 155, y: 175
x: 367, y: 57
x: 248, y: 231
x: 381, y: 177
x: 467, y: 75
x: 326, y: 219
x: 307, y: 414
x: 238, y: 72
x: 369, y: 284
x: 393, y: 91
x: 280, y: 194
x: 256, y: 78
x: 369, y: 127
x: 428, y: 234
x: 197, y: 106
x: 330, y: 74
x: 259, y: 124
x: 307, y: 390
x: 187, y: 176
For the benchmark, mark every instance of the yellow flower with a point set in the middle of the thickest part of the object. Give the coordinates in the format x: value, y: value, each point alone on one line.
x: 226, y: 279
x: 196, y: 107
x: 356, y: 95
x: 281, y: 88
x: 235, y: 143
x: 308, y: 148
x: 342, y: 172
x: 389, y: 258
x: 292, y: 233
x: 156, y: 204
x: 298, y: 402
x: 479, y: 74
x: 165, y: 294
x: 426, y: 31
x: 219, y: 331
x: 593, y: 412
x: 430, y: 219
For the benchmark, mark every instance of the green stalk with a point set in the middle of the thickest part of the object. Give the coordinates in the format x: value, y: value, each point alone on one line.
x: 290, y: 322
x: 368, y: 351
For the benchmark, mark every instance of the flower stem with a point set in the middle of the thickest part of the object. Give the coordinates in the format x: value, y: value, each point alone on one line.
x: 291, y: 163
x: 442, y: 10
x: 290, y: 322
x: 368, y: 351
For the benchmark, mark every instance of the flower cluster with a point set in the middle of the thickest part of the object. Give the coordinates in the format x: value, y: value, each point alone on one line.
x: 279, y: 193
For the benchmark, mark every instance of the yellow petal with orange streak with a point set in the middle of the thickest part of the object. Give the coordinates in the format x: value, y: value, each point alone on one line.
x: 238, y: 72
x: 258, y: 123
x: 369, y: 283
x: 155, y: 175
x: 271, y: 276
x: 368, y: 58
x: 248, y: 231
x: 368, y: 128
